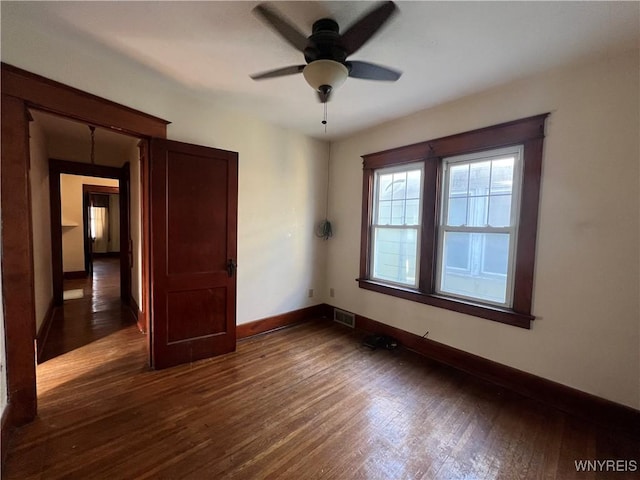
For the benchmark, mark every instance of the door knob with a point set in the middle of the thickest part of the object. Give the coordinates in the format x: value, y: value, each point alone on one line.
x: 231, y: 267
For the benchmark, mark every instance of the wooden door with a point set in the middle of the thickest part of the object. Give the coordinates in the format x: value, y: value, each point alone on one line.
x: 193, y: 209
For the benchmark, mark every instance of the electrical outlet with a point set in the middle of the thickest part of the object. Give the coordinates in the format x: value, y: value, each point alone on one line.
x: 332, y: 292
x: 310, y: 292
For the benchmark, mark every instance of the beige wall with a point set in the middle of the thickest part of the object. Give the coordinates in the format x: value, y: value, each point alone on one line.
x: 71, y: 202
x: 587, y: 269
x: 41, y: 221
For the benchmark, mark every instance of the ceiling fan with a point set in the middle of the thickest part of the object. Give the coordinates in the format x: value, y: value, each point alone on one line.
x: 326, y: 49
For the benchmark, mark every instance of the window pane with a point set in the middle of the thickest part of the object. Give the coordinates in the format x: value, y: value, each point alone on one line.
x: 412, y: 216
x: 413, y: 183
x: 457, y: 211
x: 384, y: 187
x: 500, y: 211
x: 397, y: 212
x: 459, y: 179
x: 486, y: 275
x: 395, y: 253
x: 502, y: 175
x: 399, y: 185
x: 384, y: 213
x: 478, y: 210
x: 479, y: 173
x: 496, y: 253
x: 457, y: 250
x: 398, y: 198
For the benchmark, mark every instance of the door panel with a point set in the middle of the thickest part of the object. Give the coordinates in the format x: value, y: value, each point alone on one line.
x: 196, y: 218
x: 193, y: 207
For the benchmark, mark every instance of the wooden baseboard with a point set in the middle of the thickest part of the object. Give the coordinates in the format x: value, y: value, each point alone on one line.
x: 603, y: 412
x: 105, y: 254
x: 6, y: 425
x: 276, y: 322
x: 141, y: 320
x: 74, y: 275
x: 43, y: 331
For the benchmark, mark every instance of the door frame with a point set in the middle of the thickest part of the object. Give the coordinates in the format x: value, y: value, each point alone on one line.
x: 22, y: 90
x: 58, y: 167
x: 87, y: 190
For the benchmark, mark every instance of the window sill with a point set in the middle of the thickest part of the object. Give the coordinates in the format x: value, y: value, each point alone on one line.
x: 497, y: 314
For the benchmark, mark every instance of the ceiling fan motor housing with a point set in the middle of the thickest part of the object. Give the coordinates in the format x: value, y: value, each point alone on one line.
x: 326, y: 49
x: 324, y: 42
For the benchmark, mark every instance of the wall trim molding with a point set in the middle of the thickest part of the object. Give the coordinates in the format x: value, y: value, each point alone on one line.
x: 43, y: 331
x: 137, y: 315
x: 612, y: 415
x: 75, y: 275
x: 283, y: 320
x: 61, y: 99
x: 106, y: 254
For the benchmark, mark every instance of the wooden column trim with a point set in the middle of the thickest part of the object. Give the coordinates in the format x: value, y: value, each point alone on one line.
x: 17, y: 261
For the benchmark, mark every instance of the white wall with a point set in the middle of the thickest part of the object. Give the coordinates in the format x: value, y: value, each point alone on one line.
x: 41, y: 222
x: 282, y: 194
x: 71, y: 203
x: 586, y: 301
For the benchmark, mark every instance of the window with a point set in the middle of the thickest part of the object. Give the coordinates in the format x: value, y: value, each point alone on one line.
x: 452, y: 222
x: 396, y: 223
x: 478, y: 225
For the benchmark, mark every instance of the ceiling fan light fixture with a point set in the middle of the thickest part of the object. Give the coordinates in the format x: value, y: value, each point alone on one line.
x: 323, y: 73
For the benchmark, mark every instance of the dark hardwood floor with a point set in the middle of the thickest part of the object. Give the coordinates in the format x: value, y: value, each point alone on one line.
x: 97, y: 314
x: 301, y: 403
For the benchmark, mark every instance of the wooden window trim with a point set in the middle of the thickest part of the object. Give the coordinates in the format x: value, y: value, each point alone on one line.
x: 528, y: 132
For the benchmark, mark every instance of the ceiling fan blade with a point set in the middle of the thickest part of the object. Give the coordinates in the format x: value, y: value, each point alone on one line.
x: 290, y: 33
x: 371, y: 71
x: 361, y: 31
x: 279, y: 72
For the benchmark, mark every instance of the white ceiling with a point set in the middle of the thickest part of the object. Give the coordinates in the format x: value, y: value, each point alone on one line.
x: 444, y: 49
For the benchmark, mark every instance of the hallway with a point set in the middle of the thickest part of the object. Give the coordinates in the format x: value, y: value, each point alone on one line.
x: 97, y: 312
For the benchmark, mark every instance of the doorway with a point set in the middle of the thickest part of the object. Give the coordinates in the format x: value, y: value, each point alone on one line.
x: 20, y: 90
x: 89, y: 225
x: 23, y: 90
x: 101, y: 220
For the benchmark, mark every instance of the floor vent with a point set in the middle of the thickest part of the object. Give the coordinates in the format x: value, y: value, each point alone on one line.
x: 344, y: 317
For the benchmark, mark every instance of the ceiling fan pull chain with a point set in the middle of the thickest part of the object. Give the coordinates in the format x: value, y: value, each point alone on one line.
x: 324, y: 119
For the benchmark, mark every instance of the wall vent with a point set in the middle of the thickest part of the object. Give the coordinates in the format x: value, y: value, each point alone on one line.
x: 344, y: 317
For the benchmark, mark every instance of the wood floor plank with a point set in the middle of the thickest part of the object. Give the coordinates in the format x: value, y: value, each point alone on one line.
x: 306, y: 402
